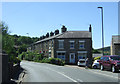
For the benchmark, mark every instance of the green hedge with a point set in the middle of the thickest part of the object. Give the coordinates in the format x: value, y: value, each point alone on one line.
x: 96, y: 58
x: 56, y: 61
x: 36, y: 57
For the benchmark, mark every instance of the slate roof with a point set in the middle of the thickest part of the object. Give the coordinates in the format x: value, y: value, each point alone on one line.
x: 116, y: 39
x: 69, y: 34
x: 51, y: 37
x: 76, y: 34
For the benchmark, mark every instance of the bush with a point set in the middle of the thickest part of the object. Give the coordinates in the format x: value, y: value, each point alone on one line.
x: 36, y: 57
x: 22, y: 55
x: 57, y: 61
x: 16, y: 60
x: 45, y: 60
x: 52, y: 60
x: 96, y: 58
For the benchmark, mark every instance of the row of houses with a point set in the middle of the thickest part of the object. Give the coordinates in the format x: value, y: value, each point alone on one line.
x: 70, y: 45
x: 67, y: 45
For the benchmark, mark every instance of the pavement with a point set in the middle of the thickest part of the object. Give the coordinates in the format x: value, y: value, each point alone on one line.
x: 43, y: 72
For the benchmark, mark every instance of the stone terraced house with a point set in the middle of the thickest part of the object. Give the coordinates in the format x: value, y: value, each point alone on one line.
x: 115, y: 45
x: 67, y: 45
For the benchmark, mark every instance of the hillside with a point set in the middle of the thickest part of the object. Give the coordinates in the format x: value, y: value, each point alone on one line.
x: 106, y: 50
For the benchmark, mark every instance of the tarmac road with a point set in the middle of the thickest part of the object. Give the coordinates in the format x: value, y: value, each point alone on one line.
x: 43, y: 72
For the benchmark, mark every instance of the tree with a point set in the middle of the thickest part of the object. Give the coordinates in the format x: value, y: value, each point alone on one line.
x: 22, y: 48
x: 7, y: 42
x: 95, y: 51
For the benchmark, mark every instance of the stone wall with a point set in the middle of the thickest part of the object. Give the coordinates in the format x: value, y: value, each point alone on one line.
x: 7, y: 69
x: 5, y: 76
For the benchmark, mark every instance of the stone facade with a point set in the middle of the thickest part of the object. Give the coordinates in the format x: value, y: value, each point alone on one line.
x: 69, y: 45
x: 76, y: 49
x: 115, y: 45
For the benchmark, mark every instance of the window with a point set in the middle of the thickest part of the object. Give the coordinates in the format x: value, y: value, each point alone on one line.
x: 61, y: 44
x: 46, y: 45
x: 81, y: 44
x: 52, y: 43
x: 61, y: 55
x: 82, y: 56
x: 71, y: 44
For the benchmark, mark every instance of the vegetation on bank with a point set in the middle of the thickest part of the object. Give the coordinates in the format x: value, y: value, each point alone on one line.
x: 99, y: 51
x: 13, y: 45
x: 37, y: 57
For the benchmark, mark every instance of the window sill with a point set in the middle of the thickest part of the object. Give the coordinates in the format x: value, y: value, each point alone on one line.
x: 60, y: 48
x: 82, y: 48
x: 72, y: 48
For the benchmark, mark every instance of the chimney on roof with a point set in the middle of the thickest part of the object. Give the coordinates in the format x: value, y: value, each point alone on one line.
x: 47, y: 35
x: 51, y: 33
x: 43, y: 37
x: 56, y: 32
x: 63, y: 29
x: 40, y: 37
x: 90, y: 28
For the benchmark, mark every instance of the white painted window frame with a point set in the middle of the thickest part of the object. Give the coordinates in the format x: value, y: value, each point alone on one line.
x: 61, y: 44
x: 61, y: 55
x: 82, y: 52
x: 82, y: 41
x: 72, y: 41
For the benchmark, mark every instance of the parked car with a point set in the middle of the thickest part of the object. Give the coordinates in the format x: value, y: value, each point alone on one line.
x: 96, y: 64
x: 81, y: 62
x: 110, y: 62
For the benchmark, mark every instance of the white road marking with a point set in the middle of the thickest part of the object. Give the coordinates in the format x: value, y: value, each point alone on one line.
x: 103, y: 74
x: 65, y: 76
x: 79, y: 80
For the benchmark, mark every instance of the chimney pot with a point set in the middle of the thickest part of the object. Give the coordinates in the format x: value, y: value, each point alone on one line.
x: 51, y: 33
x: 90, y: 28
x: 56, y: 32
x: 47, y: 35
x: 63, y: 29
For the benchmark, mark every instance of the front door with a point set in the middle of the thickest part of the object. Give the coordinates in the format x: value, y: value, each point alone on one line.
x: 72, y: 57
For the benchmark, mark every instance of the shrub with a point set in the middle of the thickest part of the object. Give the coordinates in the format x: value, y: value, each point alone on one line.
x: 22, y: 55
x: 96, y: 58
x: 16, y: 60
x: 37, y: 57
x: 56, y: 61
x: 45, y: 60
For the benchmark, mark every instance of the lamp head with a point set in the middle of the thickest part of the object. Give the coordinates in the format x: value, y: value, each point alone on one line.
x: 100, y: 7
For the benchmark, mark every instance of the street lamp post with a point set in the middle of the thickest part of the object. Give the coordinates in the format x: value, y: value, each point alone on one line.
x: 102, y: 30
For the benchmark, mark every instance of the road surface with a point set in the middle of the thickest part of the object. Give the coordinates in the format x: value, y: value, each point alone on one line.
x: 43, y: 72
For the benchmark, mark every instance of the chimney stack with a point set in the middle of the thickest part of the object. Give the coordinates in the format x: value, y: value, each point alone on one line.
x: 51, y: 33
x: 90, y: 28
x: 43, y: 37
x: 56, y: 32
x: 40, y: 37
x: 47, y: 35
x: 63, y: 29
